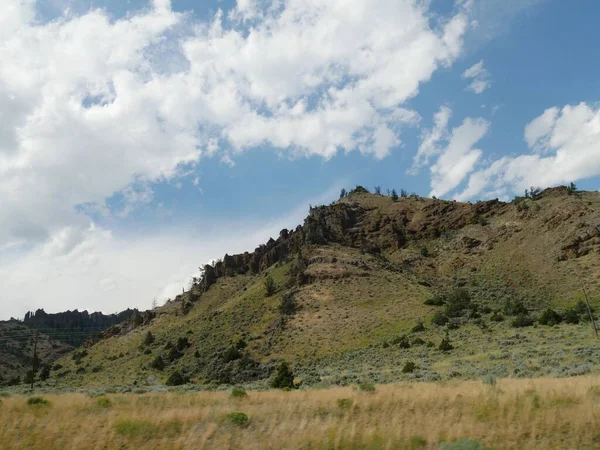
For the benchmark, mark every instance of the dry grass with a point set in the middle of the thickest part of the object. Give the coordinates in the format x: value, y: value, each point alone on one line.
x: 516, y: 414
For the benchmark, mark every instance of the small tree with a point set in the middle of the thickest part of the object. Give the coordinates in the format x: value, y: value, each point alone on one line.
x: 288, y: 304
x: 148, y: 339
x: 445, y: 345
x: 571, y: 189
x: 176, y: 379
x: 550, y: 317
x: 394, y: 195
x: 343, y: 193
x: 403, y: 193
x: 270, y: 287
x: 284, y: 377
x: 158, y: 363
x: 377, y: 190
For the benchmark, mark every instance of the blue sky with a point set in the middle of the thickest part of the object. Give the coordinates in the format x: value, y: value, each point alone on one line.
x: 141, y: 139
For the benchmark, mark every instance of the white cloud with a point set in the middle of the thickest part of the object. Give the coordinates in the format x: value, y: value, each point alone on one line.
x: 458, y: 159
x: 431, y: 138
x: 89, y: 105
x: 480, y: 78
x: 454, y: 150
x: 565, y: 145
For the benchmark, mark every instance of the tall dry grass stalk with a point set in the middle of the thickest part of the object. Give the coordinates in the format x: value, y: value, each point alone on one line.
x: 516, y: 414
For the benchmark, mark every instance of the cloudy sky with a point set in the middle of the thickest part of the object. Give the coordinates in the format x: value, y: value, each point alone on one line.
x: 141, y: 139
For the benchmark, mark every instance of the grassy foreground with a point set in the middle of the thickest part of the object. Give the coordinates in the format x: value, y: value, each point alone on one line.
x: 514, y: 414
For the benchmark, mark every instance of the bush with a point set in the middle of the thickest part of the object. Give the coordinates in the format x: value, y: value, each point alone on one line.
x: 182, y: 343
x: 367, y: 387
x: 344, y: 403
x: 269, y: 285
x: 572, y: 316
x: 176, y: 379
x: 417, y: 442
x: 238, y: 393
x: 424, y: 251
x: 287, y: 306
x: 158, y: 363
x: 440, y: 319
x: 38, y: 401
x: 239, y: 419
x: 103, y: 402
x: 401, y: 341
x: 409, y: 367
x: 550, y: 317
x: 522, y: 321
x: 418, y: 327
x: 284, y: 377
x: 132, y: 428
x: 458, y: 303
x: 434, y: 301
x: 231, y: 354
x: 45, y: 372
x: 148, y: 339
x: 394, y: 195
x: 445, y: 345
x: 496, y: 317
x: 515, y: 308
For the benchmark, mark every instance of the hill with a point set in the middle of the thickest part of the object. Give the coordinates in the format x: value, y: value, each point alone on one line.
x: 16, y: 351
x: 370, y: 284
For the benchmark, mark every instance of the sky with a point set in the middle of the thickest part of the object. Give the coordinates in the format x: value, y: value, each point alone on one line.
x: 140, y: 140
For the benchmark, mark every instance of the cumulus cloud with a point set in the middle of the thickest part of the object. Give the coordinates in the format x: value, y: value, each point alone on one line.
x: 454, y: 150
x: 89, y: 104
x: 565, y: 147
x: 479, y: 76
x: 430, y: 138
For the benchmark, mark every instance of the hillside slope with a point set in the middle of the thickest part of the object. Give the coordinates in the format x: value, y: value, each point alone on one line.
x: 16, y: 350
x: 351, y: 285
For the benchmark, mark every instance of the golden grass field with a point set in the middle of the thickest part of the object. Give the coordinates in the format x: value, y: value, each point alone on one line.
x: 515, y: 414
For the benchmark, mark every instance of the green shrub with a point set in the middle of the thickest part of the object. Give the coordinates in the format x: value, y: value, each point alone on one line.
x: 4, y: 394
x: 38, y: 401
x: 176, y: 379
x: 522, y: 321
x: 158, y: 363
x: 572, y: 316
x: 446, y: 345
x: 103, y: 402
x: 424, y: 251
x: 418, y: 327
x: 439, y: 318
x: 416, y: 442
x: 239, y: 419
x: 284, y: 377
x: 287, y: 305
x: 402, y: 341
x: 134, y: 428
x: 409, y: 367
x: 515, y: 308
x: 238, y: 393
x: 148, y: 339
x: 550, y: 317
x: 367, y: 387
x: 270, y: 286
x: 344, y: 403
x: 182, y: 343
x: 463, y: 444
x: 496, y: 317
x: 434, y: 301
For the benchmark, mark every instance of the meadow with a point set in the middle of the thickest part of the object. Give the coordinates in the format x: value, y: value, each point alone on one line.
x: 508, y: 414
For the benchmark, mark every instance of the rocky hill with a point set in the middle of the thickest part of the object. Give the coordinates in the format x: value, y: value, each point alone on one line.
x: 16, y: 351
x: 378, y: 288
